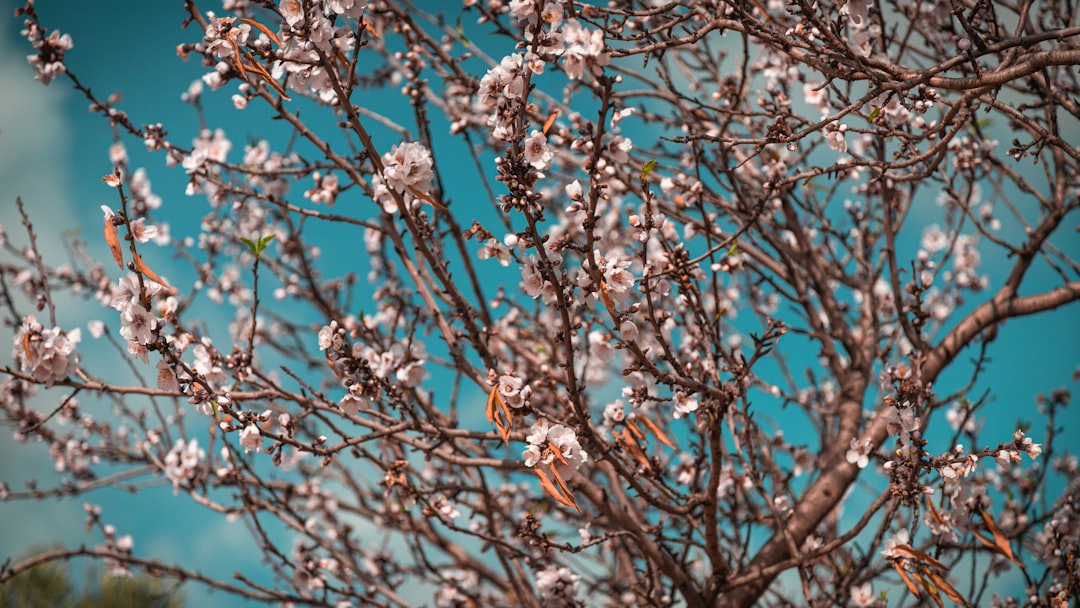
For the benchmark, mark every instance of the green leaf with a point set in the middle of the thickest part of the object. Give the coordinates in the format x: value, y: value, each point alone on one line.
x: 461, y: 33
x: 875, y: 113
x: 734, y: 248
x: 648, y: 167
x: 257, y: 248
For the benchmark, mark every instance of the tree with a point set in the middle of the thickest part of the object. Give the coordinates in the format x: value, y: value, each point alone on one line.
x: 718, y: 275
x: 48, y: 583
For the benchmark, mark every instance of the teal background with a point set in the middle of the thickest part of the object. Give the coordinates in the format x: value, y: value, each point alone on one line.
x: 53, y: 153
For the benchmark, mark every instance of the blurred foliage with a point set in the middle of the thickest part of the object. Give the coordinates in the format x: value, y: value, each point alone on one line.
x: 50, y: 585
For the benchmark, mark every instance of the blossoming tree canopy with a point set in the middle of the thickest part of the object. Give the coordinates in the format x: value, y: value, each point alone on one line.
x: 561, y: 303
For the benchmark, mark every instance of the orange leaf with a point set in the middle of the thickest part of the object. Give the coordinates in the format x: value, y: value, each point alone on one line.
x: 370, y: 28
x: 499, y: 414
x: 565, y: 490
x: 932, y: 590
x: 605, y: 298
x: 426, y: 198
x: 635, y: 430
x: 150, y: 274
x: 261, y: 71
x: 940, y: 582
x: 26, y: 347
x: 1001, y: 542
x: 331, y: 364
x: 921, y: 555
x: 237, y: 61
x: 627, y: 440
x: 262, y: 28
x: 907, y: 581
x: 489, y: 409
x: 553, y: 491
x: 656, y: 431
x: 114, y: 242
x: 550, y: 121
x: 557, y: 453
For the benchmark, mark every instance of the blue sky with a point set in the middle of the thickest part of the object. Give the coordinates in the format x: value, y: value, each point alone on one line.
x: 53, y: 154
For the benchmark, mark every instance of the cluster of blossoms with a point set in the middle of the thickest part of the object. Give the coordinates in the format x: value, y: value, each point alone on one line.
x: 182, y: 463
x: 48, y: 61
x: 558, y: 587
x: 644, y: 270
x: 407, y: 172
x: 209, y: 148
x: 138, y: 325
x: 514, y: 391
x: 553, y: 445
x: 48, y: 355
x: 503, y: 89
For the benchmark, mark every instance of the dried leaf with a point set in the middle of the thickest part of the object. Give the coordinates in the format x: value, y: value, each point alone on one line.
x: 550, y: 488
x: 499, y: 414
x: 604, y: 297
x: 146, y: 272
x: 656, y: 431
x: 114, y: 242
x: 262, y: 28
x: 331, y: 364
x: 257, y: 67
x: 1001, y: 542
x: 370, y: 28
x: 907, y: 581
x: 635, y: 430
x: 950, y: 592
x: 236, y: 59
x: 427, y: 198
x: 565, y: 490
x: 933, y: 592
x: 628, y: 442
x: 557, y: 453
x: 933, y: 511
x: 921, y: 555
x: 550, y: 121
x: 27, y: 339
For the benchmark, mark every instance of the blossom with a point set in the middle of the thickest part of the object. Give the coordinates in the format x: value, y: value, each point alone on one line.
x: 532, y: 282
x: 554, y: 445
x: 143, y: 233
x: 48, y: 63
x: 834, y: 136
x: 523, y: 10
x: 166, y: 378
x: 407, y: 164
x: 128, y: 291
x: 859, y: 454
x: 537, y: 152
x: 250, y: 438
x: 443, y: 505
x: 684, y: 404
x: 617, y: 279
x: 584, y: 49
x: 573, y: 190
x: 137, y: 324
x: 1024, y: 444
x: 557, y: 587
x: 292, y: 11
x: 862, y: 596
x: 47, y: 355
x: 182, y: 461
x: 325, y: 190
x: 891, y: 543
x: 494, y: 249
